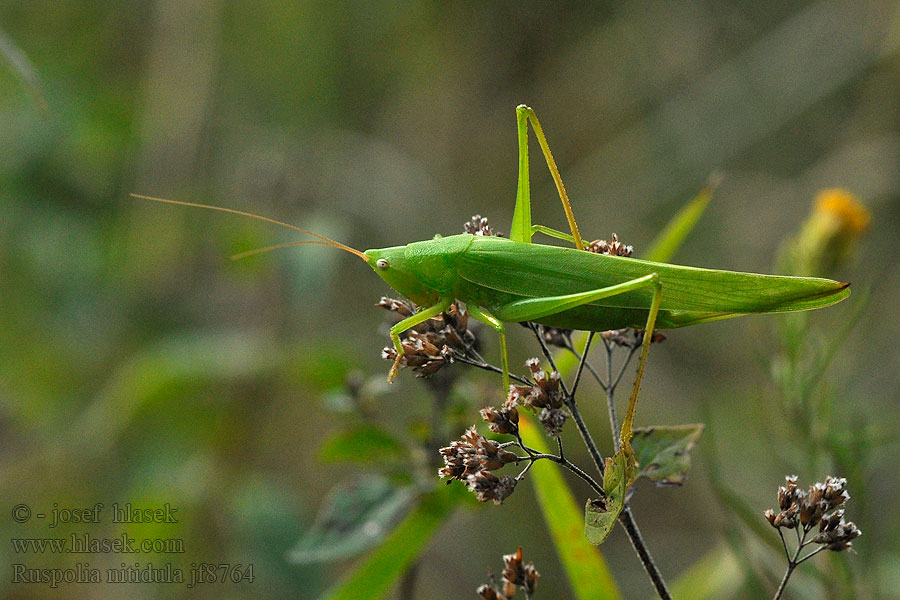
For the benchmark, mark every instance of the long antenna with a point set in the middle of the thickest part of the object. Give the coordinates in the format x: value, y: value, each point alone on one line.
x: 256, y: 251
x: 325, y: 240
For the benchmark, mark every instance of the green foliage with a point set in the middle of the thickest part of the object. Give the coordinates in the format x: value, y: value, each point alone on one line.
x: 601, y: 515
x: 354, y: 517
x: 588, y: 573
x: 667, y: 241
x: 383, y: 567
x: 366, y: 443
x: 717, y: 575
x: 663, y: 452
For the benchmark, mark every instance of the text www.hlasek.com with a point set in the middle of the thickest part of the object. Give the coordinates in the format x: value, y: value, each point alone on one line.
x: 87, y: 544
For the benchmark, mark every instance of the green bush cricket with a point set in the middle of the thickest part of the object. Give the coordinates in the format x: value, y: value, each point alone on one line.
x: 509, y: 280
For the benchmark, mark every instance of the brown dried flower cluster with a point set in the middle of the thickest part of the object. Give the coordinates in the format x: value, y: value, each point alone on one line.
x: 472, y: 459
x: 430, y: 345
x: 630, y: 338
x: 516, y: 574
x: 613, y: 247
x: 502, y: 420
x: 819, y: 506
x: 479, y: 225
x: 545, y: 397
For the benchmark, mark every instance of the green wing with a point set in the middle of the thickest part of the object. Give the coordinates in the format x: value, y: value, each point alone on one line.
x: 534, y: 270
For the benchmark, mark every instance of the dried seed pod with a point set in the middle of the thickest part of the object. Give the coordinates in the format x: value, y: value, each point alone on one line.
x: 613, y: 247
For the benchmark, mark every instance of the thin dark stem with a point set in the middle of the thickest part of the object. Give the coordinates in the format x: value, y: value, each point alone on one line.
x: 572, y: 406
x: 488, y: 367
x: 787, y: 553
x: 628, y: 358
x: 784, y: 580
x: 546, y: 351
x: 796, y: 560
x: 582, y: 362
x: 408, y: 583
x: 634, y: 534
x: 626, y: 518
x: 570, y: 466
x: 587, y: 365
x: 611, y: 398
x: 811, y: 554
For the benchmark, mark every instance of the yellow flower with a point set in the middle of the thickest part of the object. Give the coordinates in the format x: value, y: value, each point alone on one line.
x: 829, y: 235
x: 845, y: 208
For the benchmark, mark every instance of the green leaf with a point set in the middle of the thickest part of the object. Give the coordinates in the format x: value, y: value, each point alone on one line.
x: 585, y: 566
x: 355, y: 516
x: 677, y: 229
x: 363, y: 444
x: 600, y: 515
x: 22, y: 67
x: 663, y: 452
x: 717, y: 575
x: 382, y: 568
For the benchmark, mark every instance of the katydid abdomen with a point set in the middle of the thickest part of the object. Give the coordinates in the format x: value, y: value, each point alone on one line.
x: 493, y: 273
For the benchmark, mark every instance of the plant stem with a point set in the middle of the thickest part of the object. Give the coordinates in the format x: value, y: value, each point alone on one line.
x: 571, y: 404
x: 408, y: 583
x: 626, y: 518
x: 634, y: 534
x: 481, y: 364
x: 784, y: 580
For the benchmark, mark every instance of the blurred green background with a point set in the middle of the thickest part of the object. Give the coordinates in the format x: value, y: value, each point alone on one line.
x: 138, y: 364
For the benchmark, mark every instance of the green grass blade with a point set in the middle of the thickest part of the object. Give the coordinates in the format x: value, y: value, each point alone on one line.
x: 381, y: 569
x: 585, y: 566
x: 667, y: 242
x: 23, y: 68
x: 716, y: 575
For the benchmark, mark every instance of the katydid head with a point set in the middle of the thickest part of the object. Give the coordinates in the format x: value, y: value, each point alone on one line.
x: 390, y: 264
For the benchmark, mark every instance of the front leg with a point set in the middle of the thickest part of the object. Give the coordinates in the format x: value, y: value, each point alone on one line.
x: 407, y: 324
x: 497, y: 325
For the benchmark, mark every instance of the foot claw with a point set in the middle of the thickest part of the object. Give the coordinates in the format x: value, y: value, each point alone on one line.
x: 394, y: 369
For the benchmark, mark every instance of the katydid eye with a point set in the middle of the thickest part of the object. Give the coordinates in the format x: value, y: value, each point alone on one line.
x: 382, y: 264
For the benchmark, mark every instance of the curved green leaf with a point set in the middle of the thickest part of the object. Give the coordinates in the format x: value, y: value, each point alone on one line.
x: 663, y: 452
x: 355, y: 516
x: 382, y: 568
x: 677, y: 229
x: 716, y: 575
x: 588, y: 573
x: 600, y: 515
x: 363, y: 444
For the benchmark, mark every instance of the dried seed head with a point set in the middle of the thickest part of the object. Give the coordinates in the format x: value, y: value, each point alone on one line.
x: 835, y: 533
x: 835, y: 491
x: 471, y: 455
x: 545, y: 397
x: 489, y: 593
x: 531, y: 577
x: 479, y: 225
x: 612, y: 247
x: 630, y: 338
x: 819, y: 506
x: 553, y: 336
x: 488, y: 486
x: 516, y: 574
x: 514, y: 568
x: 501, y: 420
x: 403, y: 308
x: 553, y: 420
x: 431, y: 345
x: 787, y: 493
